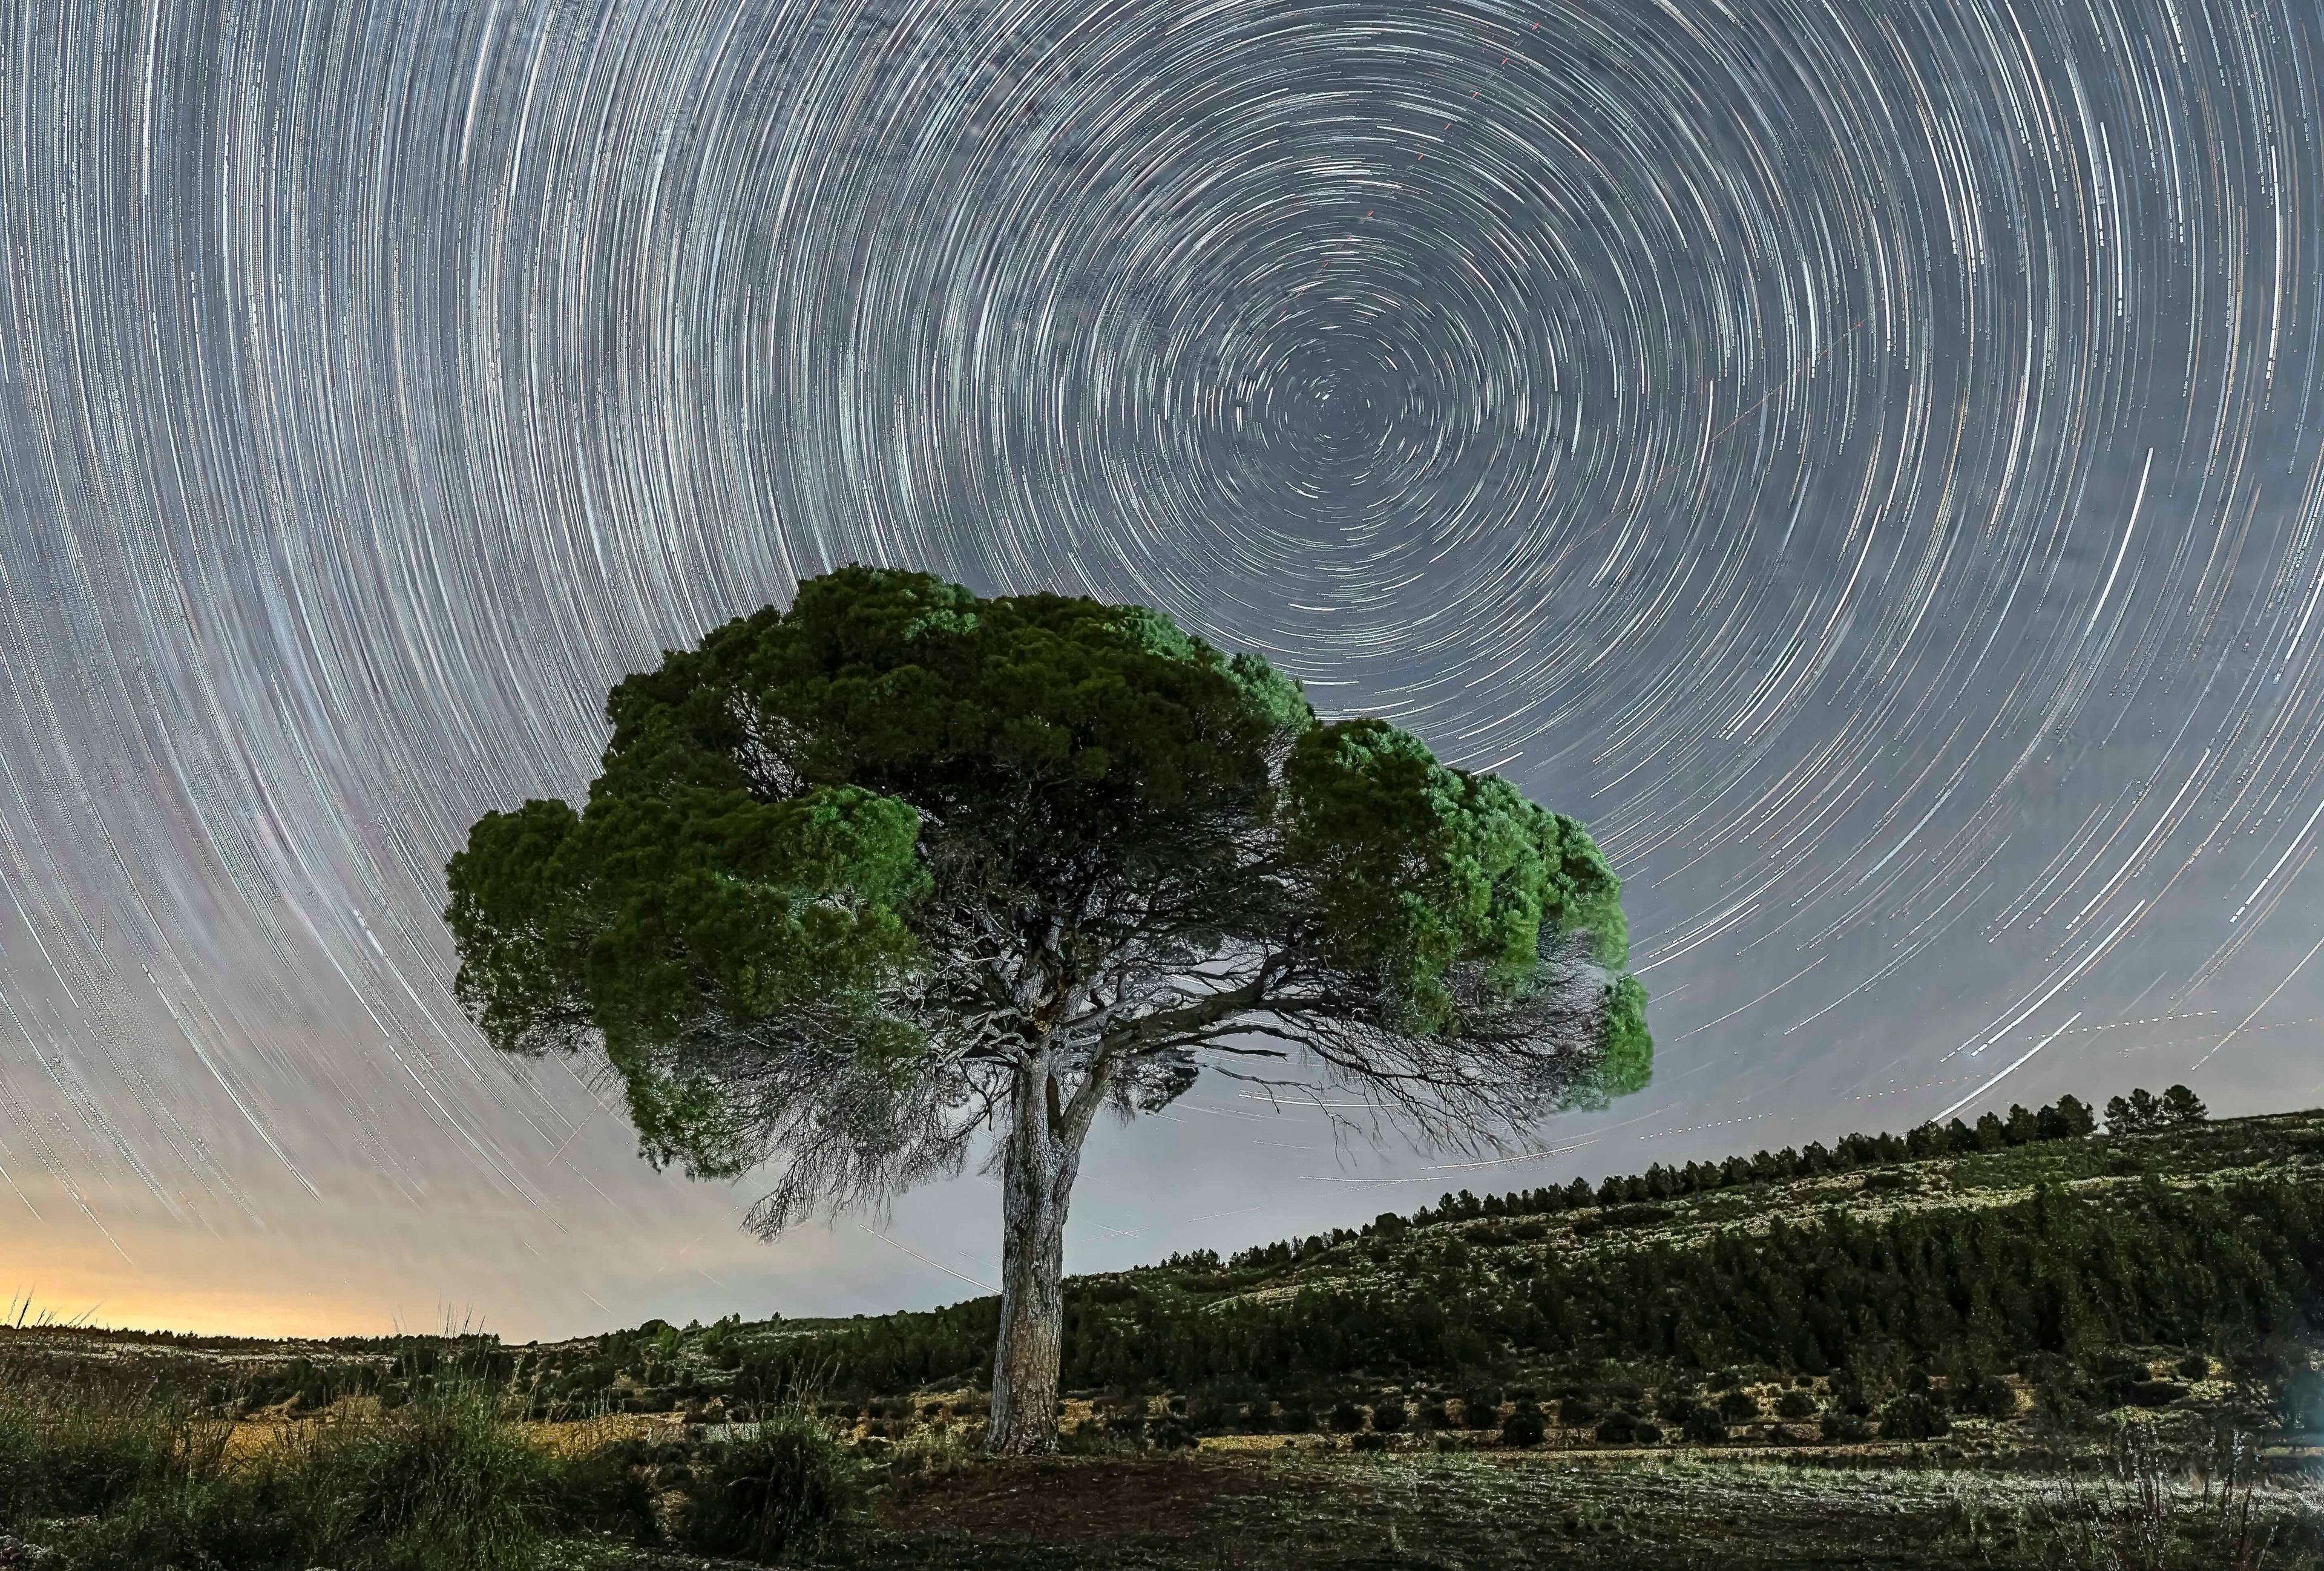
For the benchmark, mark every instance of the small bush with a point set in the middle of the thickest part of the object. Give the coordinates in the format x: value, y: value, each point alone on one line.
x: 1797, y: 1404
x: 1738, y: 1408
x: 1912, y: 1417
x: 1388, y: 1416
x: 2153, y: 1394
x: 1618, y: 1428
x: 787, y: 1491
x: 1296, y: 1419
x: 1481, y: 1409
x: 448, y: 1481
x: 1524, y: 1426
x: 1985, y: 1399
x: 1703, y: 1427
x: 1347, y: 1418
x: 1843, y: 1428
x: 609, y: 1489
x: 1433, y: 1415
x: 2194, y: 1366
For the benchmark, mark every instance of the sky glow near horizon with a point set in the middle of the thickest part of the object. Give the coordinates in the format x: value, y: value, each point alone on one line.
x: 1865, y: 461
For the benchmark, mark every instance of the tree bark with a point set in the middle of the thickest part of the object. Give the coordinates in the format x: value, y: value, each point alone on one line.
x: 1043, y: 1155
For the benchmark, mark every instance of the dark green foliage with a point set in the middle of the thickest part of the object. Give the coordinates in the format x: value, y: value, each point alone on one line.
x: 824, y: 842
x: 1481, y: 1409
x: 2182, y: 1106
x: 1843, y: 1428
x: 1984, y: 1397
x: 1347, y: 1418
x: 787, y: 1492
x: 1388, y: 1416
x: 1738, y: 1408
x: 1797, y: 1404
x: 1912, y: 1417
x: 1702, y: 1425
x: 1618, y: 1428
x: 2057, y: 1272
x: 1524, y: 1426
x: 443, y: 1483
x: 2143, y: 1112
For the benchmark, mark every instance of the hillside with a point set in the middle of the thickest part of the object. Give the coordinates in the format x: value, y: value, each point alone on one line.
x: 1792, y: 1296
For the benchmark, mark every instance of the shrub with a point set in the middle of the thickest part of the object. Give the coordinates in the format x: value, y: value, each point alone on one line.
x: 1618, y: 1428
x: 2153, y: 1394
x: 1296, y: 1419
x: 1797, y: 1404
x: 1703, y: 1427
x: 609, y: 1489
x: 1524, y: 1426
x: 1388, y: 1416
x: 1576, y: 1410
x: 1347, y: 1418
x: 1737, y: 1407
x: 1432, y: 1415
x: 448, y: 1481
x: 2194, y: 1366
x: 1984, y: 1398
x: 1842, y: 1428
x: 1481, y: 1409
x: 1912, y: 1417
x: 787, y: 1491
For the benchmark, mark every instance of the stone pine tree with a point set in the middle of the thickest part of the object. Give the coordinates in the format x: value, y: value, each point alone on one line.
x: 899, y: 874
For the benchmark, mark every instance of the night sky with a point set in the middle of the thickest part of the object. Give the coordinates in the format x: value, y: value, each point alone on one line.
x: 1863, y: 458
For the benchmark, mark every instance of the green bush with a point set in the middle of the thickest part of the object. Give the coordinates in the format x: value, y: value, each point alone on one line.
x: 788, y: 1490
x: 128, y: 1480
x: 1388, y: 1416
x: 1798, y: 1404
x: 610, y: 1490
x: 447, y: 1483
x: 1618, y: 1428
x: 1986, y: 1397
x: 1524, y: 1426
x: 1912, y: 1417
x: 1702, y: 1425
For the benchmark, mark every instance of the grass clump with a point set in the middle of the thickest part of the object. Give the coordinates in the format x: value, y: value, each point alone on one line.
x: 115, y: 1477
x: 785, y: 1493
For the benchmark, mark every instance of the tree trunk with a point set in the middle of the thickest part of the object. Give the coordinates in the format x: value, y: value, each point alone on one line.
x: 1037, y: 1180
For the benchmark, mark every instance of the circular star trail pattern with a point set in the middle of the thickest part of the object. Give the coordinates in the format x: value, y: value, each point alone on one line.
x: 1863, y: 457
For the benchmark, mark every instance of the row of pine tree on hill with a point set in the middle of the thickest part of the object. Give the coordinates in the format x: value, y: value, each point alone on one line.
x: 2068, y: 1118
x: 2060, y: 1275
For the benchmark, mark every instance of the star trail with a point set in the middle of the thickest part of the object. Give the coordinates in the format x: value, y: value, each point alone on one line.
x: 1864, y: 458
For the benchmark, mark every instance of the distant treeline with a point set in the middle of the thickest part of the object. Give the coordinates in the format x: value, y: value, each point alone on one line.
x: 2056, y: 1274
x: 2068, y: 1118
x: 2060, y: 1274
